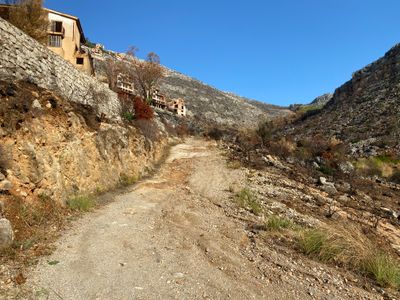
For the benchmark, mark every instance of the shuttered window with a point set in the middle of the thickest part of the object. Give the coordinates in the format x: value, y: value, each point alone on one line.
x: 54, y: 40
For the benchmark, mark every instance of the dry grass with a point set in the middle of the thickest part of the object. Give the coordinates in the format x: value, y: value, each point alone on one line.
x: 276, y: 223
x: 34, y: 224
x: 234, y: 164
x: 126, y: 180
x: 350, y: 248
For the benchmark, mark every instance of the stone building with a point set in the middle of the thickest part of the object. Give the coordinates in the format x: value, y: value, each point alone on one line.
x: 65, y: 37
x: 178, y: 107
x: 125, y: 84
x: 159, y: 100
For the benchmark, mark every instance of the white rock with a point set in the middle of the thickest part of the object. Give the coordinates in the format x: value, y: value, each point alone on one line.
x: 36, y: 104
x: 6, y: 233
x: 5, y: 185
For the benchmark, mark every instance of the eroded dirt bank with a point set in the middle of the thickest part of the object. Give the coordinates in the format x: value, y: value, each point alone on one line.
x: 179, y: 236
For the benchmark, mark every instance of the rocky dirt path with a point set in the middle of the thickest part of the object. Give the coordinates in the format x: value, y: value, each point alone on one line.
x: 168, y: 238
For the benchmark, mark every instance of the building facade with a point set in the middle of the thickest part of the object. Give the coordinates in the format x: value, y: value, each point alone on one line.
x: 65, y: 37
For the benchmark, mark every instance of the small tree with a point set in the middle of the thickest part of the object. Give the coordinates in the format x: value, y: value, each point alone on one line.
x: 147, y: 73
x: 29, y: 16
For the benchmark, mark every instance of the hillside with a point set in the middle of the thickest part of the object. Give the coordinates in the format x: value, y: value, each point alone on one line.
x: 206, y: 103
x: 209, y: 103
x: 365, y: 111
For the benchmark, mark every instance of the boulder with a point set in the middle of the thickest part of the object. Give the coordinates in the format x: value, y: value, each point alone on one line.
x: 6, y: 233
x: 5, y: 185
x: 346, y: 167
x: 2, y: 177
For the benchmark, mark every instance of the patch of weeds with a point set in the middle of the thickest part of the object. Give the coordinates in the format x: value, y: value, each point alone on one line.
x: 384, y: 269
x: 42, y: 292
x: 312, y: 241
x: 326, y: 170
x: 128, y: 116
x: 81, y: 203
x: 348, y: 247
x: 276, y: 223
x: 53, y: 262
x: 246, y: 199
x: 387, y: 159
x: 126, y: 180
x: 234, y: 164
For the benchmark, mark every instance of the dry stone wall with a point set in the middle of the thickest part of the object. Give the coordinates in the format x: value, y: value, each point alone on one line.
x: 23, y: 58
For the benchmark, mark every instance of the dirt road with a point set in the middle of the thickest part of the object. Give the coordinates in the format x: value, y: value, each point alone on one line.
x: 168, y: 238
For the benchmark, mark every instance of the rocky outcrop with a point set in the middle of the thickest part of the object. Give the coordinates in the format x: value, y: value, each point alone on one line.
x: 322, y: 100
x: 59, y: 148
x: 365, y: 111
x: 23, y: 58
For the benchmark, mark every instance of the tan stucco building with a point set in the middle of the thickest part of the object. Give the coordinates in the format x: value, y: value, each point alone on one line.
x: 65, y: 37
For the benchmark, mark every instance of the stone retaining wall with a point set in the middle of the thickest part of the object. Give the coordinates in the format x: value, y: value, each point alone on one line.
x: 23, y: 58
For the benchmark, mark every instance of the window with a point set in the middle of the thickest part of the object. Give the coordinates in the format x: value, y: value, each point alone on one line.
x: 79, y: 60
x: 56, y: 26
x: 54, y: 40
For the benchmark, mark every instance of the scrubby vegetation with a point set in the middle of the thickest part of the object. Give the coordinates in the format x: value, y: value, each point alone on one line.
x: 81, y: 203
x: 276, y: 223
x: 246, y: 199
x: 351, y: 249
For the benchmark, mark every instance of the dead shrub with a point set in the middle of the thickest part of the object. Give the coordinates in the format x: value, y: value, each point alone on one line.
x: 182, y: 130
x: 29, y: 16
x: 33, y: 223
x: 149, y: 129
x: 142, y: 109
x: 283, y: 147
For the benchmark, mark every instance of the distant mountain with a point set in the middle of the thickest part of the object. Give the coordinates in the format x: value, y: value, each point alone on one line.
x: 365, y: 111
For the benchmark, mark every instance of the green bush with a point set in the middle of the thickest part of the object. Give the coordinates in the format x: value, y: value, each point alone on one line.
x: 246, y: 199
x: 126, y: 180
x: 276, y: 223
x: 81, y: 203
x: 128, y: 116
x: 326, y: 170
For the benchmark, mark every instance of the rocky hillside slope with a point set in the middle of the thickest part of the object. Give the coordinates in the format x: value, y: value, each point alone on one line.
x: 365, y: 111
x: 53, y: 147
x: 211, y: 104
x: 205, y: 103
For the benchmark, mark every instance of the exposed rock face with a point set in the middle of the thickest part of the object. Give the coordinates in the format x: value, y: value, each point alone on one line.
x: 365, y: 111
x: 6, y: 233
x: 210, y: 104
x: 63, y: 148
x: 322, y: 100
x: 23, y: 58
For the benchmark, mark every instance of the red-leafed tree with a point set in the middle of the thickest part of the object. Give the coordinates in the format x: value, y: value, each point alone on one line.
x: 142, y: 109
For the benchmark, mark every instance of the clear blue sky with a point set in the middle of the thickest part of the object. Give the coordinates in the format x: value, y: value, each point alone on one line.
x: 281, y: 51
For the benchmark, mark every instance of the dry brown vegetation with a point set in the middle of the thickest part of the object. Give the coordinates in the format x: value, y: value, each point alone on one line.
x: 29, y: 16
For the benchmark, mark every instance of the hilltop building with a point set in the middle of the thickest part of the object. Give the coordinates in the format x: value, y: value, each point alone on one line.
x: 65, y: 37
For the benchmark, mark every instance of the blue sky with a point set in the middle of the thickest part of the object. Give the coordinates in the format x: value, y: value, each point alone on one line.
x: 280, y: 52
